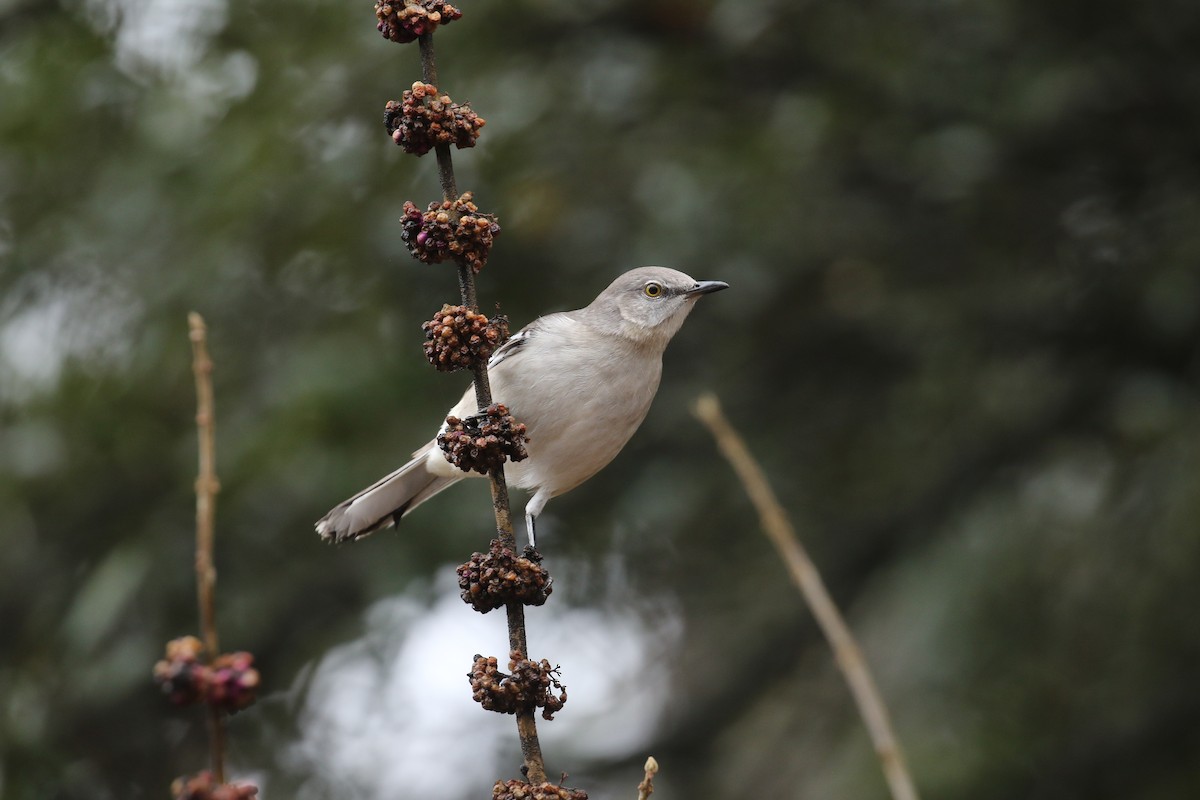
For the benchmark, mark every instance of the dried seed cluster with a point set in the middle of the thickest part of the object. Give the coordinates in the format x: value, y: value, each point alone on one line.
x: 520, y: 790
x: 480, y: 443
x: 531, y: 685
x: 230, y: 682
x: 204, y: 786
x: 233, y: 681
x: 459, y: 338
x: 501, y: 577
x: 403, y: 21
x: 181, y: 675
x: 424, y: 119
x: 449, y: 229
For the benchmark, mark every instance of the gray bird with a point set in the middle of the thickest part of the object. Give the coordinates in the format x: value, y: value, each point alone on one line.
x: 580, y: 381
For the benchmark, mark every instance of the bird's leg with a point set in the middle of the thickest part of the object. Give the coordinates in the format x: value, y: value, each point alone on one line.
x: 532, y: 509
x: 529, y: 528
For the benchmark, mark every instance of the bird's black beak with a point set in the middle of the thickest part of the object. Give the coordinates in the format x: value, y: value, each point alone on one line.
x: 706, y: 287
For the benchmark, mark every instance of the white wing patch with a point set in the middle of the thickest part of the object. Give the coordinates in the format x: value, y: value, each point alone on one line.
x: 514, y: 344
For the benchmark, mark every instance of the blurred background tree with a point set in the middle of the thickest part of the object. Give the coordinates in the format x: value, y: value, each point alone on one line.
x: 964, y: 244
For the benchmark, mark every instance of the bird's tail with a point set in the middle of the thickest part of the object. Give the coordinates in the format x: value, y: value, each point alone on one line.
x: 385, y: 502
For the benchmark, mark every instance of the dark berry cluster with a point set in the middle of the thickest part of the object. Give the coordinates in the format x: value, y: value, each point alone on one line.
x: 403, y: 21
x: 480, y: 443
x: 459, y: 338
x: 531, y: 685
x: 520, y: 790
x: 449, y: 229
x: 424, y: 119
x: 230, y: 682
x: 204, y: 786
x: 501, y: 577
x: 233, y: 681
x: 180, y: 674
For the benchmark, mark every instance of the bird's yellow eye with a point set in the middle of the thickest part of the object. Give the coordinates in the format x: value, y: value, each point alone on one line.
x: 653, y: 289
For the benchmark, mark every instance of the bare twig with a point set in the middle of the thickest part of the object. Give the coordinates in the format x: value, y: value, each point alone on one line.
x: 804, y: 573
x: 531, y: 748
x: 207, y: 487
x: 444, y: 161
x: 646, y: 787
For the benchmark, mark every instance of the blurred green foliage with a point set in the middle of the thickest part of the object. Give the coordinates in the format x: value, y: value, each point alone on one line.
x: 964, y: 248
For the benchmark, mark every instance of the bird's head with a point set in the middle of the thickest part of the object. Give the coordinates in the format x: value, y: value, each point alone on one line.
x: 649, y: 304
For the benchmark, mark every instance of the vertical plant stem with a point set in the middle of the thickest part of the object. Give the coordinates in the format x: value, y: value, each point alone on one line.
x: 531, y: 749
x: 207, y: 487
x: 804, y: 574
x: 445, y: 163
x: 646, y: 787
x: 429, y: 72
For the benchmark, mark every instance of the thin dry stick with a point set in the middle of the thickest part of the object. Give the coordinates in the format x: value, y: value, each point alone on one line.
x: 531, y: 748
x: 444, y: 161
x: 207, y: 487
x: 804, y: 574
x: 646, y: 787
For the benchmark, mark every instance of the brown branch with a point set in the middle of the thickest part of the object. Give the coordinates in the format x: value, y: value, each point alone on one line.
x: 531, y: 749
x: 444, y: 161
x: 646, y: 787
x: 207, y: 487
x: 429, y: 72
x: 804, y: 574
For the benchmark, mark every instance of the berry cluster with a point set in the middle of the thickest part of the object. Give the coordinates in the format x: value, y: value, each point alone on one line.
x: 204, y: 786
x: 403, y: 21
x: 529, y: 686
x: 449, y: 229
x: 501, y: 577
x: 180, y: 674
x: 230, y: 682
x: 459, y: 338
x: 520, y: 790
x: 423, y: 119
x: 481, y: 442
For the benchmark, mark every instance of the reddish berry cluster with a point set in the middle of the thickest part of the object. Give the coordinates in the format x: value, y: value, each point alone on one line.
x: 520, y: 790
x: 180, y: 674
x: 449, y: 229
x: 481, y: 443
x: 230, y: 682
x: 403, y: 21
x: 529, y: 686
x: 459, y: 338
x: 424, y: 119
x: 501, y: 577
x: 204, y: 786
x: 233, y: 681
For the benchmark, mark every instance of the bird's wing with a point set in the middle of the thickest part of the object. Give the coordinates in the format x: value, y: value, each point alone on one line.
x: 515, y: 343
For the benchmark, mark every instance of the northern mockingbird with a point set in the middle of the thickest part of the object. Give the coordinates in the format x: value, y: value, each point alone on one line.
x: 580, y: 381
